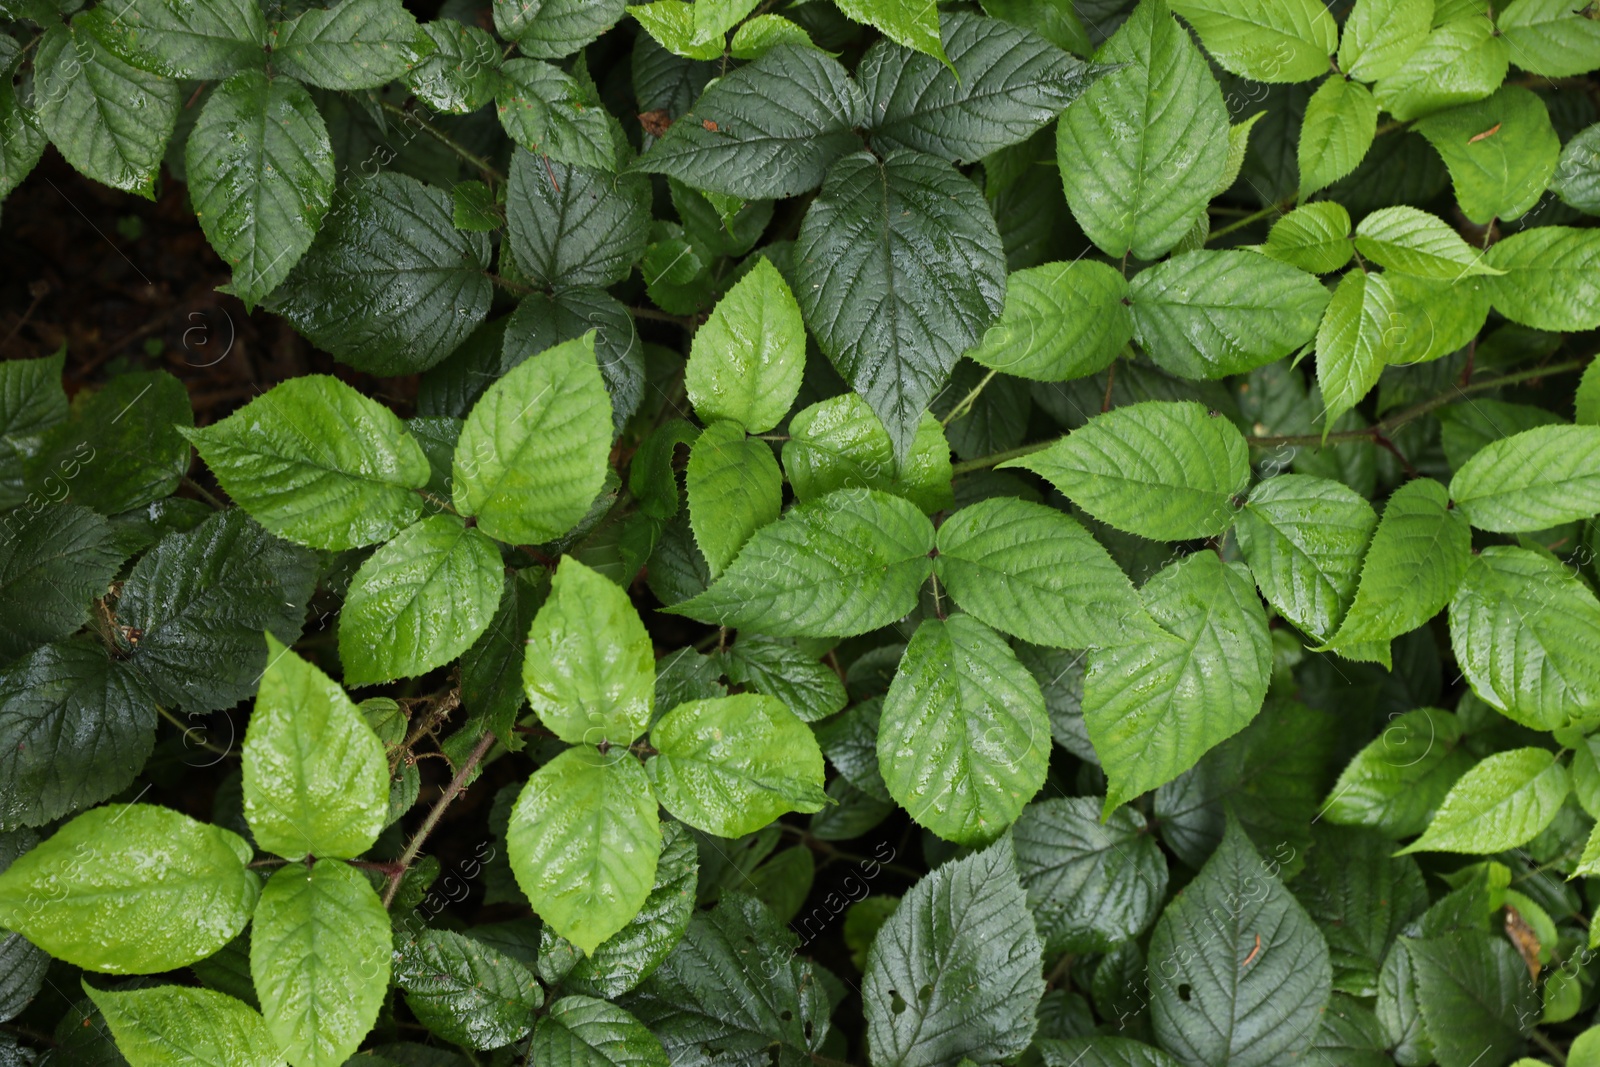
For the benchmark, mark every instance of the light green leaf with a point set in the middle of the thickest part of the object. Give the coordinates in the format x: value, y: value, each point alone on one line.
x: 357, y: 44
x: 1397, y: 782
x: 730, y: 765
x: 465, y: 991
x: 672, y: 23
x: 176, y: 1026
x: 1142, y: 151
x: 590, y: 671
x: 756, y: 37
x: 1060, y: 321
x: 913, y: 23
x: 1167, y: 470
x: 572, y: 226
x: 581, y: 1031
x: 1523, y: 627
x: 108, y: 119
x: 319, y: 959
x: 1417, y: 557
x: 316, y: 780
x: 1303, y: 538
x: 964, y: 741
x: 963, y: 946
x: 1552, y: 278
x: 316, y: 462
x: 1410, y: 241
x: 131, y: 889
x: 260, y: 171
x: 1314, y: 237
x: 898, y: 269
x: 746, y: 361
x: 1380, y: 35
x: 534, y: 451
x: 1244, y: 972
x: 1531, y: 480
x: 1355, y: 341
x: 782, y: 669
x: 844, y: 564
x: 840, y: 444
x: 1553, y: 38
x: 1341, y: 118
x: 419, y: 601
x: 1458, y: 62
x: 209, y: 39
x: 1037, y: 574
x: 1265, y: 40
x: 583, y: 842
x: 1435, y: 318
x: 457, y: 76
x: 1154, y: 708
x: 1501, y: 152
x: 1499, y: 804
x: 767, y: 129
x: 734, y: 488
x: 548, y: 112
x: 1208, y: 314
x: 550, y: 29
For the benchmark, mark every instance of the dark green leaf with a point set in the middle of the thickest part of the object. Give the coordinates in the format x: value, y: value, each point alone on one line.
x: 356, y: 44
x: 465, y: 991
x: 51, y: 565
x: 571, y: 225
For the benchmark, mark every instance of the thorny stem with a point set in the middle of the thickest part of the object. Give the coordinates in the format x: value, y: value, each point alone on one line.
x: 451, y: 791
x: 445, y: 139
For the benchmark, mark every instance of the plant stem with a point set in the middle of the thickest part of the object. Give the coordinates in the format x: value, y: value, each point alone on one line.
x: 187, y: 730
x: 1549, y: 1047
x: 967, y: 401
x: 445, y: 139
x: 451, y: 791
x: 203, y: 493
x: 1254, y: 216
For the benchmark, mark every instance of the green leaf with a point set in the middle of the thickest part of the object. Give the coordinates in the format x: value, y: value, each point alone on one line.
x: 174, y: 1026
x: 457, y: 76
x: 108, y: 119
x: 357, y: 44
x: 1362, y: 897
x: 543, y: 321
x: 1460, y: 61
x: 1499, y: 804
x: 533, y: 454
x: 316, y: 779
x: 1314, y: 237
x: 1208, y: 314
x: 590, y: 671
x: 466, y: 992
x: 734, y: 488
x: 548, y: 112
x: 844, y: 564
x: 675, y: 26
x: 964, y: 741
x: 491, y: 670
x: 260, y: 171
x: 746, y: 361
x: 1341, y: 119
x: 1380, y: 35
x: 573, y: 225
x: 1465, y: 429
x: 1417, y: 557
x: 1414, y: 242
x: 50, y: 569
x: 319, y: 958
x: 32, y: 403
x: 1091, y: 886
x: 777, y: 668
x: 737, y: 990
x: 316, y: 462
x: 1001, y: 85
x: 1167, y: 470
x: 913, y: 23
x: 1436, y: 318
x: 898, y: 269
x: 731, y: 765
x: 840, y: 444
x: 389, y: 286
x: 583, y: 842
x: 131, y: 889
x: 1355, y: 341
x: 1553, y: 38
x: 1101, y: 1052
x: 75, y: 728
x: 1036, y: 573
x: 956, y: 970
x: 1060, y: 321
x: 1521, y: 626
x: 1265, y: 40
x: 1552, y: 278
x: 419, y: 601
x: 1303, y: 538
x: 200, y: 601
x: 209, y: 39
x: 1397, y: 782
x: 1244, y: 972
x: 1142, y: 151
x: 1501, y: 152
x: 550, y: 29
x: 767, y: 129
x: 1154, y: 708
x: 581, y: 1031
x: 1531, y: 480
x: 1475, y: 995
x: 22, y: 140
x: 762, y: 33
